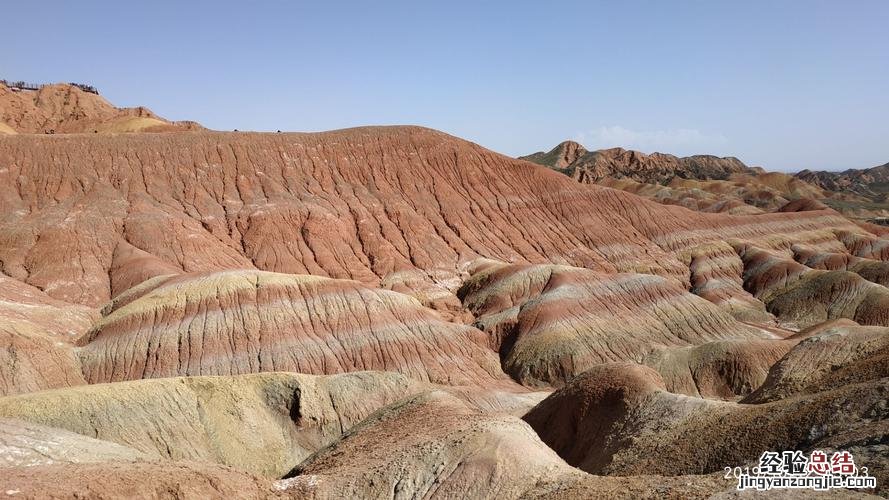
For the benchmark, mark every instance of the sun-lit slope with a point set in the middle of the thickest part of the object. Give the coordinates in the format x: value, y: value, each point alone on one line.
x: 64, y: 108
x: 237, y: 322
x: 130, y: 124
x: 435, y: 446
x: 839, y: 353
x: 403, y: 206
x: 264, y: 424
x: 6, y: 129
x: 26, y: 444
x: 116, y: 480
x: 554, y: 322
x: 804, y: 296
x: 36, y: 332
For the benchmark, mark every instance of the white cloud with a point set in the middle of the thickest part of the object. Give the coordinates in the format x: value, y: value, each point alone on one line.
x: 676, y: 141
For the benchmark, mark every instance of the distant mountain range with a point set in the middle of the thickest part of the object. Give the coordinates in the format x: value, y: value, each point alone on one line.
x: 721, y: 184
x: 872, y: 183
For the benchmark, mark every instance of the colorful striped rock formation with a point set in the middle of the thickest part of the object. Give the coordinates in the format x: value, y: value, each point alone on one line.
x: 401, y: 206
x: 803, y: 296
x: 393, y: 312
x: 554, y: 322
x: 237, y: 322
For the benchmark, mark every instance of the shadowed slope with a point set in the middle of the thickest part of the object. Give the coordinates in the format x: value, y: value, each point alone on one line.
x: 619, y: 420
x: 725, y: 369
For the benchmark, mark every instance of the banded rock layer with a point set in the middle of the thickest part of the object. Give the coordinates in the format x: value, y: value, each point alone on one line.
x: 400, y: 207
x: 237, y: 322
x: 36, y: 332
x: 803, y: 296
x: 555, y: 322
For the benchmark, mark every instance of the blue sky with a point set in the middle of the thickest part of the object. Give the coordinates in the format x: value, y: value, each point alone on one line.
x: 782, y: 84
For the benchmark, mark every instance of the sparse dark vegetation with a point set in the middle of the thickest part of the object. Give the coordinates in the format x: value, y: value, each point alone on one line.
x: 21, y: 85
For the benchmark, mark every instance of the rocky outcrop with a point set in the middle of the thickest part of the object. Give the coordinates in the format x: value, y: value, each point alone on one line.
x: 592, y: 166
x: 723, y: 185
x: 561, y: 156
x: 870, y: 183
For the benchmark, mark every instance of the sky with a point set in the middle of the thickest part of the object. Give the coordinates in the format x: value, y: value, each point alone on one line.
x: 786, y: 85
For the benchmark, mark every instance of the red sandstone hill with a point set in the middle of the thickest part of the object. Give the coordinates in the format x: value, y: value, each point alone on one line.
x: 65, y: 108
x: 402, y: 207
x: 151, y: 284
